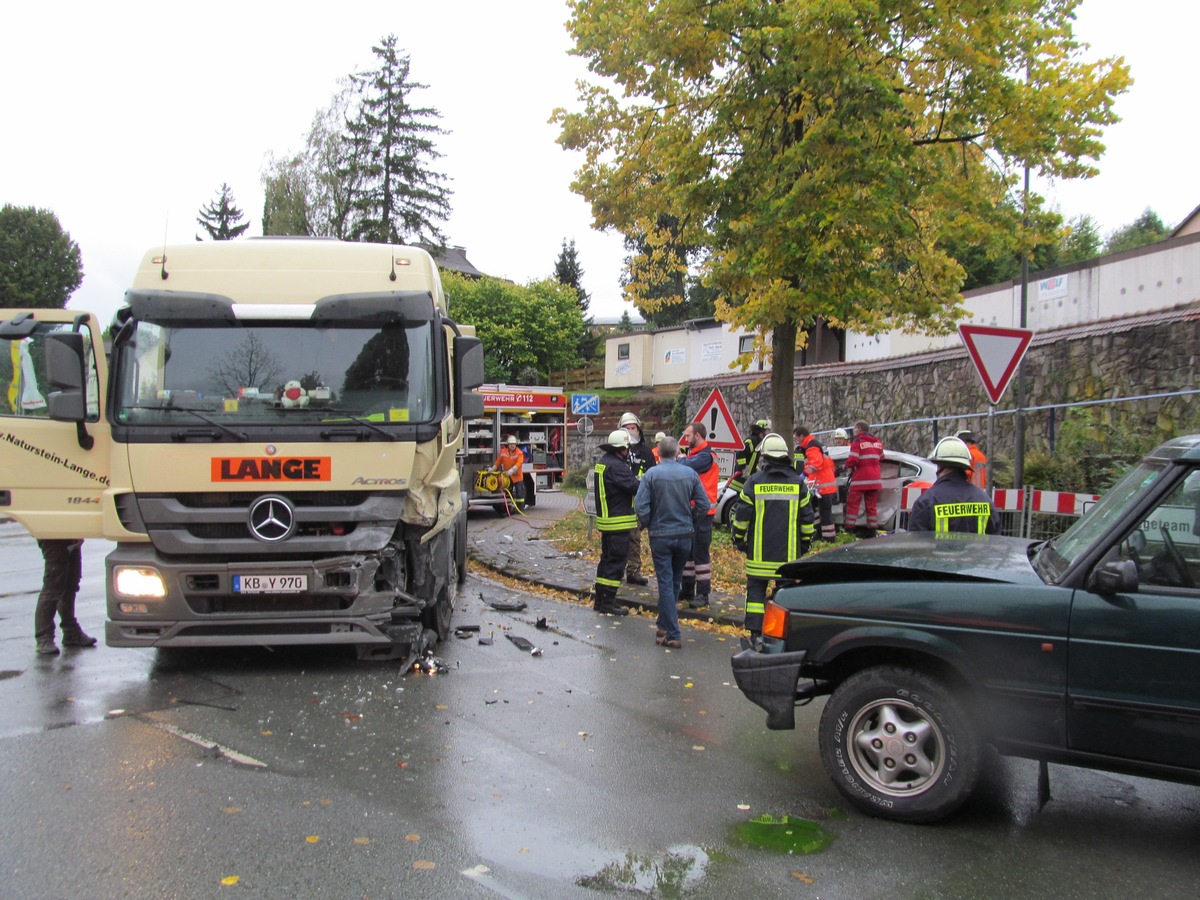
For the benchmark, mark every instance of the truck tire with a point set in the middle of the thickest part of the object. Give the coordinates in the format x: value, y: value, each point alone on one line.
x: 899, y: 745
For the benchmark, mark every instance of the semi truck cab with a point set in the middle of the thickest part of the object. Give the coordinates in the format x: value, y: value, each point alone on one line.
x: 272, y: 442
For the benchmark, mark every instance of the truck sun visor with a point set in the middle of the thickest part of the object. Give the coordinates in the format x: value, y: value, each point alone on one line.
x: 174, y: 308
x: 378, y: 309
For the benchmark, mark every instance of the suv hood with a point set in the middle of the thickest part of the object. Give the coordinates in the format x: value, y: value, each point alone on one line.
x: 920, y: 557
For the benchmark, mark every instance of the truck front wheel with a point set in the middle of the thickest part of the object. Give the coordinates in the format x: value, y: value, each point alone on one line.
x: 899, y: 745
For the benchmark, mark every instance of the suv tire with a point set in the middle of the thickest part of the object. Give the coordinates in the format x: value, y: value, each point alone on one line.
x: 899, y: 745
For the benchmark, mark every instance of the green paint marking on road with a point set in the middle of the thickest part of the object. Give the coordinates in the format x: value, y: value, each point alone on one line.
x: 786, y: 834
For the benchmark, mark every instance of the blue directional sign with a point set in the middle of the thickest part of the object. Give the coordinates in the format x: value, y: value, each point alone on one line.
x: 585, y: 404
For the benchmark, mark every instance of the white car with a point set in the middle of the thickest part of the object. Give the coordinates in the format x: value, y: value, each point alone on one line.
x: 898, y: 470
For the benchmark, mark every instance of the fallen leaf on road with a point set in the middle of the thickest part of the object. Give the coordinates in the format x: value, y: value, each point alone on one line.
x: 743, y: 806
x: 230, y: 880
x: 417, y: 837
x: 362, y: 840
x: 230, y: 810
x: 697, y: 746
x: 312, y: 838
x: 424, y: 864
x: 807, y: 879
x: 266, y: 733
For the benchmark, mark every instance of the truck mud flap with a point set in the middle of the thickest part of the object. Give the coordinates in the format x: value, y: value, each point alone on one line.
x: 769, y: 679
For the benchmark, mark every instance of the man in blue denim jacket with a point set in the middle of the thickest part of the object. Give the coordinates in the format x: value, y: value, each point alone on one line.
x: 668, y: 503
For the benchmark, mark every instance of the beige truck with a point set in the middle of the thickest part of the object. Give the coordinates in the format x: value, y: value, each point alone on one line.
x: 273, y: 440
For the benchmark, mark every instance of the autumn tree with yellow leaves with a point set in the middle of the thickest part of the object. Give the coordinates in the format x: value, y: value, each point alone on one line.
x: 822, y: 152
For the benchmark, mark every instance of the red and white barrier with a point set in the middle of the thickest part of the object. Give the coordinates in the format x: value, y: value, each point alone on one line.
x: 1057, y: 503
x: 1061, y: 504
x: 1008, y: 499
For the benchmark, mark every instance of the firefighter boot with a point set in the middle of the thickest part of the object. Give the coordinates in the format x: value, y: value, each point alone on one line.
x: 606, y: 601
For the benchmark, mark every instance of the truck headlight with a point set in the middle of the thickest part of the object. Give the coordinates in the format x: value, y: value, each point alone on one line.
x: 138, y: 582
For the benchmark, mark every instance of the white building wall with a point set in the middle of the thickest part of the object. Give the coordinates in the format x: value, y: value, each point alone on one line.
x: 671, y: 356
x: 632, y: 371
x: 1135, y: 281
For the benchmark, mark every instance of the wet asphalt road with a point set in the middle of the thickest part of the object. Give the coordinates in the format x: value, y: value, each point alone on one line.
x: 605, y: 763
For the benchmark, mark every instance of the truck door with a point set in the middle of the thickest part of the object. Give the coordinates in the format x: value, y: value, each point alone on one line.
x: 1134, y: 670
x: 50, y: 481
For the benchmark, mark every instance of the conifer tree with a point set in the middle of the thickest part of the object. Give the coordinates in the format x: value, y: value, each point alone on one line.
x: 398, y: 198
x: 221, y: 218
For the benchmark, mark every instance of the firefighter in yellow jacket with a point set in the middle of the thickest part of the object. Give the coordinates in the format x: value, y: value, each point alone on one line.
x: 773, y: 524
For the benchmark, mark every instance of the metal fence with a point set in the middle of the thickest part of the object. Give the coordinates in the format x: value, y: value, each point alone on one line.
x: 1150, y: 414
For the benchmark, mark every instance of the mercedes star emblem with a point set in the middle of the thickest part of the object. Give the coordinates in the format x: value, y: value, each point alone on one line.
x: 272, y: 519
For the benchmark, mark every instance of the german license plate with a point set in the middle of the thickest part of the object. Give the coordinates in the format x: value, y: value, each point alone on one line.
x: 270, y: 584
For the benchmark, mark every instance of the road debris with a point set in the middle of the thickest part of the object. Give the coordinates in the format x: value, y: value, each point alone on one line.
x: 524, y: 644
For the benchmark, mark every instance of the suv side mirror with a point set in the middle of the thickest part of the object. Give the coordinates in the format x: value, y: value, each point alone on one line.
x: 1118, y: 576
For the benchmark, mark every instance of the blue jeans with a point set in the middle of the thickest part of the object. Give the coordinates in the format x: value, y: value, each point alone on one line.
x: 670, y: 555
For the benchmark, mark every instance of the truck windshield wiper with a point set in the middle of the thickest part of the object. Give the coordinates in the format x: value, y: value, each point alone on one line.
x: 236, y: 435
x: 354, y: 416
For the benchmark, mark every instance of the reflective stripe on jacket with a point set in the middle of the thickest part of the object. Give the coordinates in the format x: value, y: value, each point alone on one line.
x: 703, y: 462
x: 817, y: 465
x: 746, y: 462
x: 953, y: 504
x: 774, y: 518
x: 866, y: 452
x: 614, y: 490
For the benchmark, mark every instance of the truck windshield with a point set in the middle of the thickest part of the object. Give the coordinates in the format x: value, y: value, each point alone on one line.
x: 270, y: 373
x: 1057, y: 556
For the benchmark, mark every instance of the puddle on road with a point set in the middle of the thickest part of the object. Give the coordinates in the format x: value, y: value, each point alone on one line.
x: 786, y: 834
x: 671, y: 874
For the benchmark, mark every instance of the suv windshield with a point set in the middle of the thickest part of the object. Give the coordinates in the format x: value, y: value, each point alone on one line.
x: 1056, y: 557
x: 275, y: 372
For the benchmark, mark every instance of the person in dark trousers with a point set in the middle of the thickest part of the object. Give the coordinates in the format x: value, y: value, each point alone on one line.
x: 697, y: 574
x: 60, y: 584
x: 641, y: 460
x: 773, y: 524
x: 615, y: 486
x: 953, y: 504
x: 866, y: 479
x: 746, y: 460
x: 820, y: 473
x: 668, y: 504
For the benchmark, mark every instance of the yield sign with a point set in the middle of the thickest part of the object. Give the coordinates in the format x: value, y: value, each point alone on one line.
x: 996, y: 353
x: 714, y: 415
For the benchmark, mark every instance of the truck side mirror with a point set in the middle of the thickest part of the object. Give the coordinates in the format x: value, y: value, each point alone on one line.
x: 64, y: 370
x: 1117, y: 576
x: 468, y: 375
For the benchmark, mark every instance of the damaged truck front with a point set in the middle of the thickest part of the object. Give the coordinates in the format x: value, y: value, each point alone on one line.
x: 272, y: 442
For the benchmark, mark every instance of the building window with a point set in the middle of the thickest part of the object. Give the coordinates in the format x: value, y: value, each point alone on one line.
x: 746, y: 343
x: 622, y: 351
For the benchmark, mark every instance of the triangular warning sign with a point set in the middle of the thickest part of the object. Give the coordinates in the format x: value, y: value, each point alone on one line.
x: 996, y: 353
x: 721, y: 432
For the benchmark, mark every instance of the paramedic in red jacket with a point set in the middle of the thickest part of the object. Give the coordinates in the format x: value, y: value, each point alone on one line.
x: 866, y: 453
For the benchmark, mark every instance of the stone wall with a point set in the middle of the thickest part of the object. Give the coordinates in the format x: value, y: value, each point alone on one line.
x: 1129, y: 357
x: 1153, y: 353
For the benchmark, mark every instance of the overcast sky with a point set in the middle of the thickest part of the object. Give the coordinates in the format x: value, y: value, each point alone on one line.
x: 125, y: 118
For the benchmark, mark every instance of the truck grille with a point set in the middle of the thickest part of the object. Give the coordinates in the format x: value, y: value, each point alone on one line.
x: 217, y: 524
